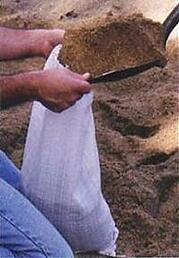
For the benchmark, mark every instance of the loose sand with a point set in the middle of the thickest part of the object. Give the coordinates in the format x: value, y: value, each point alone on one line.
x: 111, y: 42
x: 136, y: 126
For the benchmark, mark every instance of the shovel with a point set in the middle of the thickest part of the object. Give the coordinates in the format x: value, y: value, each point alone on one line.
x: 116, y: 75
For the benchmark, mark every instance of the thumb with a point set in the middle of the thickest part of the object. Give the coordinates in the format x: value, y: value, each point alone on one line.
x: 86, y: 76
x: 83, y: 87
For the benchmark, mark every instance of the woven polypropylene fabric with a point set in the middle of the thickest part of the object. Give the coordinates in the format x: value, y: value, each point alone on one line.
x: 61, y: 174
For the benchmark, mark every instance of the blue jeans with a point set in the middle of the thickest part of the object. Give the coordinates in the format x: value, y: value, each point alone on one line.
x: 24, y: 231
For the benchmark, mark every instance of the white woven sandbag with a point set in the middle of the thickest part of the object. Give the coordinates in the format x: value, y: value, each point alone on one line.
x: 61, y: 174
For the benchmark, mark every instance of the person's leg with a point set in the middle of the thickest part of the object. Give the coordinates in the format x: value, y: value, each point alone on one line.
x: 25, y: 232
x: 5, y: 253
x: 8, y: 171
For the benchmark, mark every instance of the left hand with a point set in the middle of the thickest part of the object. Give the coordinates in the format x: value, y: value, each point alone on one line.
x: 45, y: 40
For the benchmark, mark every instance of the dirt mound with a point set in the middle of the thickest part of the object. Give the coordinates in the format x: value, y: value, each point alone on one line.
x: 111, y: 42
x: 137, y: 130
x: 136, y: 127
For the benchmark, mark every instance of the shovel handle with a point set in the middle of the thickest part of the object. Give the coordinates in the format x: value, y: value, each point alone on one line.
x: 171, y: 21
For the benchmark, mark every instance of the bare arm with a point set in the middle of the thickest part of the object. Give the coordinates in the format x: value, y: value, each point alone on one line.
x: 56, y: 89
x: 26, y: 43
x: 17, y: 89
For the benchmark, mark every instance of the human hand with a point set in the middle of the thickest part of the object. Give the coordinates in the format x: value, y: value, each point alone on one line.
x: 16, y: 44
x: 58, y: 89
x: 43, y: 41
x: 51, y: 39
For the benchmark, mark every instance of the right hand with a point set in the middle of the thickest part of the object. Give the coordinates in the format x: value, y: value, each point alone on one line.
x: 58, y: 89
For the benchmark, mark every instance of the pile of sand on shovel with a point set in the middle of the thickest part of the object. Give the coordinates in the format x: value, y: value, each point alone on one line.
x: 109, y: 42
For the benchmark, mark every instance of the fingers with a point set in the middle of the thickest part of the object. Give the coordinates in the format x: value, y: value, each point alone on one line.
x: 86, y: 76
x: 61, y: 88
x: 80, y: 81
x: 60, y: 106
x: 57, y: 36
x: 82, y: 87
x: 78, y: 97
x: 74, y: 75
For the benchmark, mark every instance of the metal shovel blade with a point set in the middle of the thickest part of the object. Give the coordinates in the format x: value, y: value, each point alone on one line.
x: 169, y: 24
x: 123, y: 74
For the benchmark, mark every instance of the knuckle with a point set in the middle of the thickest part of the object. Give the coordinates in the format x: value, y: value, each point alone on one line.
x: 79, y: 97
x: 72, y: 102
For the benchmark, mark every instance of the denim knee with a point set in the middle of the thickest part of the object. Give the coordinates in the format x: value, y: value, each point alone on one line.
x: 59, y: 248
x: 4, y: 252
x: 2, y: 155
x: 63, y: 254
x: 9, y: 172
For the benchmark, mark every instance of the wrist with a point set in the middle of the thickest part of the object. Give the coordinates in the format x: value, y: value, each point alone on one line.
x: 29, y: 83
x: 36, y: 41
x: 17, y: 89
x: 43, y: 41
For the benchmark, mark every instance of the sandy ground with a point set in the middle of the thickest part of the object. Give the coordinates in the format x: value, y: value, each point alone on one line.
x: 136, y: 125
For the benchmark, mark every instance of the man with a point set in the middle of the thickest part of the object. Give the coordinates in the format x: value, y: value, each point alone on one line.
x: 24, y: 232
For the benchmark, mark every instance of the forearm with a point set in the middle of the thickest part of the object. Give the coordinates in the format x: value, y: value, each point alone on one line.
x: 17, y: 89
x: 27, y: 43
x: 16, y: 43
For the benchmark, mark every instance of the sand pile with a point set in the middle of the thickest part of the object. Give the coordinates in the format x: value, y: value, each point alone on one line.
x: 137, y: 130
x: 102, y: 44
